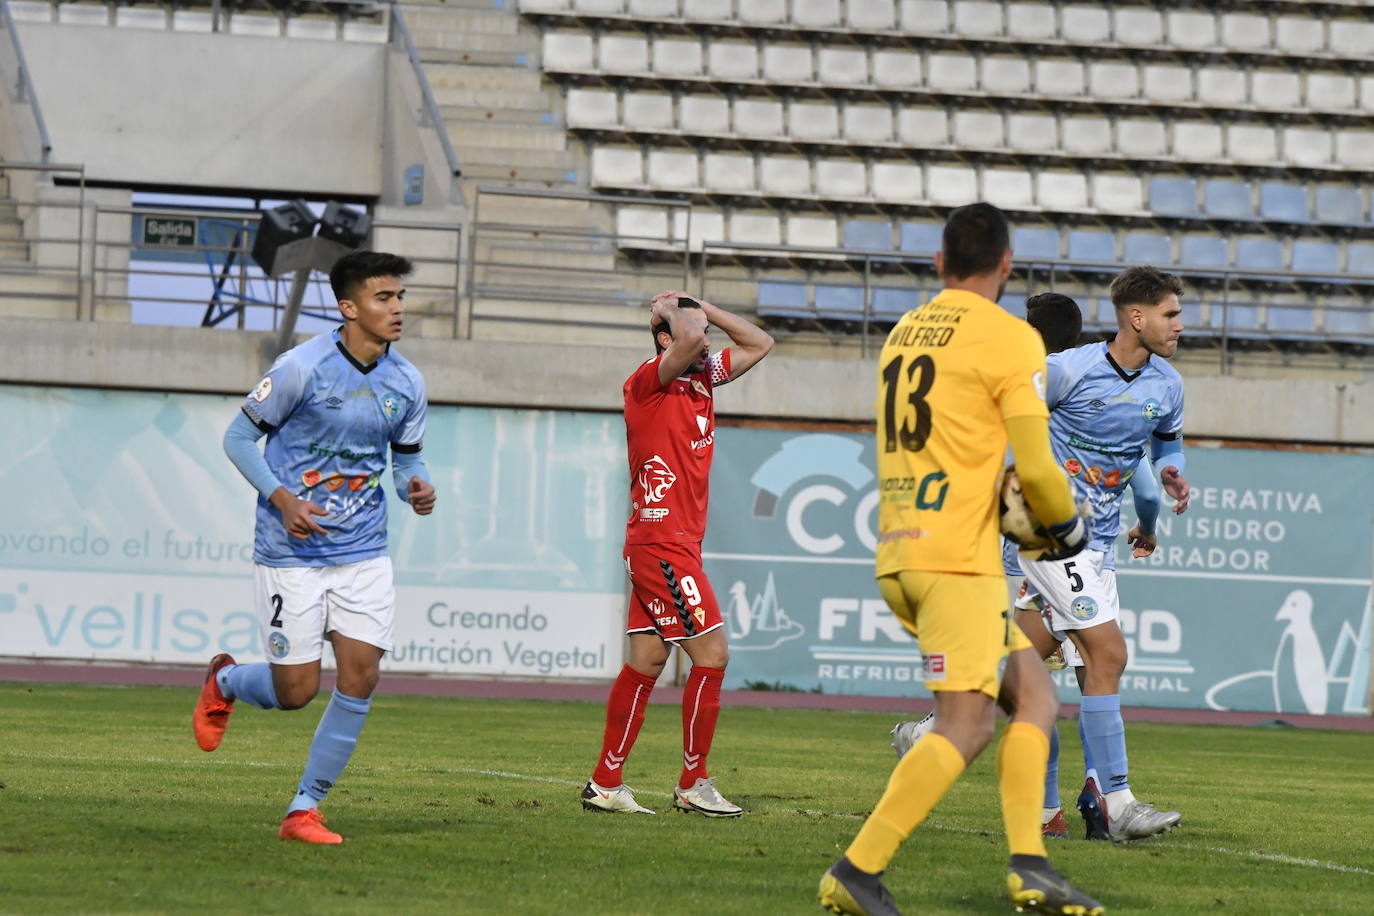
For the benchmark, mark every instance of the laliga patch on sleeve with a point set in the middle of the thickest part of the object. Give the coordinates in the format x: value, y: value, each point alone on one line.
x: 933, y: 666
x: 263, y: 390
x: 1037, y: 379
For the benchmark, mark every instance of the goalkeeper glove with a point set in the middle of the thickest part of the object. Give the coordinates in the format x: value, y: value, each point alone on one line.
x: 1068, y: 538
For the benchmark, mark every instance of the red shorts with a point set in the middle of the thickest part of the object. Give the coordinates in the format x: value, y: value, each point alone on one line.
x: 669, y: 592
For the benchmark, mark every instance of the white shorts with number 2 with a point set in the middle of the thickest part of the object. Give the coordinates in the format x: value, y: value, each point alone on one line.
x: 1080, y: 592
x: 299, y: 605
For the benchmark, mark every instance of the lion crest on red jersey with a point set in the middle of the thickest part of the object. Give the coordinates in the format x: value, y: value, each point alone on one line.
x: 655, y: 479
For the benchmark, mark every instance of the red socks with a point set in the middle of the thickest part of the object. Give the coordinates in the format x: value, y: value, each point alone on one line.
x: 624, y: 716
x: 700, y: 709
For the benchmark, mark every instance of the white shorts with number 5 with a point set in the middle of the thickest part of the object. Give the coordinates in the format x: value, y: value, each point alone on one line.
x: 298, y: 605
x: 1080, y: 592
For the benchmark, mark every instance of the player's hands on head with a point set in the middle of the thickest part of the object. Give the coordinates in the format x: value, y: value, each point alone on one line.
x: 298, y: 515
x: 661, y: 305
x: 1177, y: 488
x: 421, y: 495
x: 1142, y: 544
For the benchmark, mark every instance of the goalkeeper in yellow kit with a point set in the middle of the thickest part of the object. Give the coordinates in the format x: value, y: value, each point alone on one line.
x: 958, y: 379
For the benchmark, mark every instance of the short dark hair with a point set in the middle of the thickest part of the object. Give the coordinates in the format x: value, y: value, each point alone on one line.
x: 1057, y: 318
x: 357, y: 267
x: 1143, y: 286
x: 975, y: 238
x: 662, y: 327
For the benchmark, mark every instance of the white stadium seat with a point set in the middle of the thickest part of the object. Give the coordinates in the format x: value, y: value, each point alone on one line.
x: 1189, y: 29
x: 812, y: 232
x: 925, y: 16
x: 296, y: 26
x: 617, y: 166
x: 646, y: 111
x: 1030, y: 20
x: 1168, y: 83
x: 762, y: 11
x: 732, y: 60
x: 642, y: 222
x: 951, y: 185
x: 1133, y: 25
x: 1307, y: 146
x: 1251, y: 143
x: 673, y: 169
x: 977, y: 18
x: 755, y: 228
x: 1008, y: 188
x: 1352, y: 38
x: 1275, y: 89
x: 896, y: 69
x: 1059, y: 77
x: 599, y: 6
x: 1366, y: 93
x: 592, y: 108
x: 1113, y: 80
x: 728, y: 172
x: 1086, y: 135
x: 1245, y: 31
x: 677, y: 58
x: 784, y: 175
x: 623, y: 53
x: 1196, y: 140
x: 788, y: 64
x: 707, y: 226
x: 1355, y: 148
x: 528, y: 6
x: 707, y: 114
x: 1299, y: 34
x: 951, y: 72
x: 923, y: 126
x: 979, y: 129
x: 758, y: 118
x: 132, y: 17
x: 709, y: 11
x: 871, y: 15
x: 1085, y: 23
x: 813, y: 121
x: 1221, y: 86
x: 898, y: 182
x: 1330, y: 91
x: 1118, y: 193
x: 1061, y: 190
x: 239, y: 24
x: 1032, y: 132
x: 1006, y: 75
x: 656, y: 9
x: 841, y: 178
x: 1141, y: 138
x: 818, y: 14
x: 867, y: 124
x: 842, y: 65
x: 567, y: 51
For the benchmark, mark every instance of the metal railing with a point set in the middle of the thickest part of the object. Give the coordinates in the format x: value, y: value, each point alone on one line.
x: 23, y: 81
x: 400, y: 34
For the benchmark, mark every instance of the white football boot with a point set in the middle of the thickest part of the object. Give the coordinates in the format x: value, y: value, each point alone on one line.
x: 908, y: 733
x: 704, y: 798
x: 617, y: 800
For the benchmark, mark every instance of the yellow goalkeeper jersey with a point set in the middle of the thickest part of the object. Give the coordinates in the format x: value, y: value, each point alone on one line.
x: 949, y: 373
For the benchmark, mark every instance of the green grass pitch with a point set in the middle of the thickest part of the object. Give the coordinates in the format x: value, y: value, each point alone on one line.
x: 470, y: 806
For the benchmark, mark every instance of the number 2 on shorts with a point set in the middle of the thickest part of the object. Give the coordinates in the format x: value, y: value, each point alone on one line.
x: 276, y: 611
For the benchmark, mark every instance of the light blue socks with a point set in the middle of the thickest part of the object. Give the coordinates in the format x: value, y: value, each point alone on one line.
x: 250, y: 683
x: 1104, y: 740
x: 333, y: 744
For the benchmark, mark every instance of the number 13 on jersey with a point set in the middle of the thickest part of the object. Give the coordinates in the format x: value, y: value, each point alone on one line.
x: 908, y: 382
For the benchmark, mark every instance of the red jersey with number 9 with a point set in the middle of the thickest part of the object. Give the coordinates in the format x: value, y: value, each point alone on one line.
x: 670, y: 434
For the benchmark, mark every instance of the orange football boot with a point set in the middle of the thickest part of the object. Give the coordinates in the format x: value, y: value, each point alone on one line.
x: 212, y: 709
x: 1056, y: 826
x: 308, y: 827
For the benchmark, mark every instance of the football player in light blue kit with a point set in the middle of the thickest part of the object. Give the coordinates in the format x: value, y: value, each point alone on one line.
x: 1111, y: 405
x: 331, y: 409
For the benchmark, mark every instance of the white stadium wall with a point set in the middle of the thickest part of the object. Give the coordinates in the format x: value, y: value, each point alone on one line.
x: 212, y: 110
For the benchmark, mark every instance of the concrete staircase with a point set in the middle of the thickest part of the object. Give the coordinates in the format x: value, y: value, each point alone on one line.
x: 27, y: 290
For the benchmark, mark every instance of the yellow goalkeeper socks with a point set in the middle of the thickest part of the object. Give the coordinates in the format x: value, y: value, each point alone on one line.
x: 920, y: 780
x: 1021, y: 757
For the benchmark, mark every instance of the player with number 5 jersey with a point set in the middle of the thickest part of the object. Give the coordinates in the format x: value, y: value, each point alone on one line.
x: 958, y: 379
x: 670, y: 429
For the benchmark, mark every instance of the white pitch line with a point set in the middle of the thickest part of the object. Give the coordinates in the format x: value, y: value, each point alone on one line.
x: 503, y: 774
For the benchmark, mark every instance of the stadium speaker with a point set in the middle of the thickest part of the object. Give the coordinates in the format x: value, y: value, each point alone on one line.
x: 345, y: 225
x: 281, y: 225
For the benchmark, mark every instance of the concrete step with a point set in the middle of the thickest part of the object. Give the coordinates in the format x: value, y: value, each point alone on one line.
x: 18, y: 278
x: 459, y: 76
x: 480, y: 97
x: 490, y: 21
x: 514, y: 45
x: 552, y: 212
x: 509, y: 156
x: 503, y: 137
x: 521, y: 176
x: 10, y: 228
x: 516, y: 253
x: 475, y: 57
x: 507, y: 6
x: 14, y: 249
x: 491, y: 114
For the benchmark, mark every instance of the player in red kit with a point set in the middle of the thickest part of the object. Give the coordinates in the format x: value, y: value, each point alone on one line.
x: 670, y: 429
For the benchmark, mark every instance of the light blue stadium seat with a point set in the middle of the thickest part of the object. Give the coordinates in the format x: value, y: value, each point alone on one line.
x: 891, y: 304
x: 1283, y: 203
x: 1015, y: 303
x: 1360, y: 258
x: 1034, y: 244
x: 1291, y: 319
x: 1092, y: 245
x: 1349, y: 321
x: 1147, y: 248
x: 839, y: 303
x: 1259, y: 254
x: 1202, y: 251
x: 1340, y: 205
x: 1173, y: 196
x: 921, y: 238
x: 1314, y: 257
x: 1230, y: 199
x: 1240, y: 317
x: 1193, y: 317
x: 1098, y: 314
x: 783, y: 300
x: 872, y: 235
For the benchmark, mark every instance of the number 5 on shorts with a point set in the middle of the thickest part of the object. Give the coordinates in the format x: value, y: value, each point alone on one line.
x: 1075, y: 580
